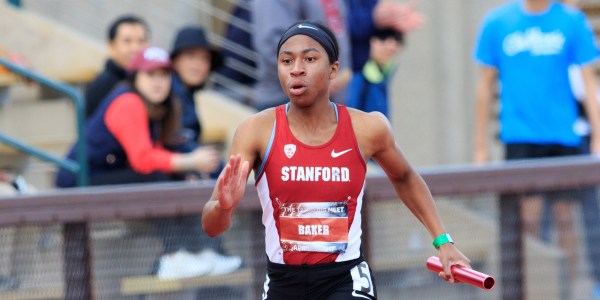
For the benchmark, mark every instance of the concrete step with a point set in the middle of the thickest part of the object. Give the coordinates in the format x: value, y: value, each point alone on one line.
x: 51, y: 48
x: 48, y: 125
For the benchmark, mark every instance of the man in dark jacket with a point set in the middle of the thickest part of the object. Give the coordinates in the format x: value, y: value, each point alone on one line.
x: 126, y: 35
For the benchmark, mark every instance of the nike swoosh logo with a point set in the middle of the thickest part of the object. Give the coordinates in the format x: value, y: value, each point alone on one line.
x: 309, y: 27
x: 354, y: 294
x: 336, y: 154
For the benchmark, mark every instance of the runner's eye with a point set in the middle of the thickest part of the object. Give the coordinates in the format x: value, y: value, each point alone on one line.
x: 311, y: 59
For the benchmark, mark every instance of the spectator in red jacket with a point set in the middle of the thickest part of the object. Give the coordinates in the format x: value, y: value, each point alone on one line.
x: 126, y: 139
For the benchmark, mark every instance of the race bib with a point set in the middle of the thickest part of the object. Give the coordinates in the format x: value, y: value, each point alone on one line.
x: 314, y: 227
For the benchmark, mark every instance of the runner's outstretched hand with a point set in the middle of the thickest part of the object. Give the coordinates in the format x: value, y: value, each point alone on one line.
x: 232, y: 182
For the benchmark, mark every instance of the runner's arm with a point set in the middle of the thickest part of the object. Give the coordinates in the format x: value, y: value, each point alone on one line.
x: 412, y: 190
x: 408, y: 184
x: 231, y: 184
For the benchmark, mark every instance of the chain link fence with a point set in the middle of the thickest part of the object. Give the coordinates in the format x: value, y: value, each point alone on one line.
x: 51, y: 242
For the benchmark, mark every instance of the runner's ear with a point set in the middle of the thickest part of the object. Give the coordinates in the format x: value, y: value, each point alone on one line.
x: 334, y: 69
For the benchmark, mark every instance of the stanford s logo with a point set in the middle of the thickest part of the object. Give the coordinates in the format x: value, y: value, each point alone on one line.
x: 289, y: 150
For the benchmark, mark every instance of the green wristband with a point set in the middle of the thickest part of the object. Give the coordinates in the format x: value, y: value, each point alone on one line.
x: 441, y: 239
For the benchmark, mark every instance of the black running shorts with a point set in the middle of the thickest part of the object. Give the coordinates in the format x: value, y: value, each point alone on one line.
x: 349, y: 280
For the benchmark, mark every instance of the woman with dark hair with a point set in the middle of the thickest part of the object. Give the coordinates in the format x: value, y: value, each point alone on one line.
x: 126, y: 140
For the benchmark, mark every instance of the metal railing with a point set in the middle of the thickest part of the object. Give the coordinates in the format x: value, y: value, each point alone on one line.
x: 145, y: 201
x: 80, y: 166
x: 15, y: 3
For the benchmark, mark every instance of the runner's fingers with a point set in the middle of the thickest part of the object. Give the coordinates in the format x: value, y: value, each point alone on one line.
x: 466, y: 264
x: 447, y: 271
x: 227, y: 175
x: 236, y: 165
x: 443, y: 276
x: 220, y: 185
x: 245, y: 170
x: 231, y: 160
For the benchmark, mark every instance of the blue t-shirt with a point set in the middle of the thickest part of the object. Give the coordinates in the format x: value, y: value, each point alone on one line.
x: 532, y: 53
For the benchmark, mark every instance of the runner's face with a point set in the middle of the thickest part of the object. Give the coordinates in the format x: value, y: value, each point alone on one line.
x: 304, y: 70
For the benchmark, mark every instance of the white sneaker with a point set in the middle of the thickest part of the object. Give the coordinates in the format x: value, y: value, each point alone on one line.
x: 221, y: 264
x: 182, y: 264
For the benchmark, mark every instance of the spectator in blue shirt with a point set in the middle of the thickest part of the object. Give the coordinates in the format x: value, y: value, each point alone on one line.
x: 527, y: 46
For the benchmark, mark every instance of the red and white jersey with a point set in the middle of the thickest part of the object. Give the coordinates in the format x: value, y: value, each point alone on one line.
x: 311, y: 196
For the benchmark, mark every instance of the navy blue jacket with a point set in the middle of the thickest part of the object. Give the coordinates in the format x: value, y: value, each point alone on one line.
x: 104, y: 152
x: 102, y: 85
x: 190, y: 127
x: 361, y: 28
x: 368, y: 96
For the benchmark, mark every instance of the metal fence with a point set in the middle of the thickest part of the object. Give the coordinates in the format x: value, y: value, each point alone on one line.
x: 103, y: 242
